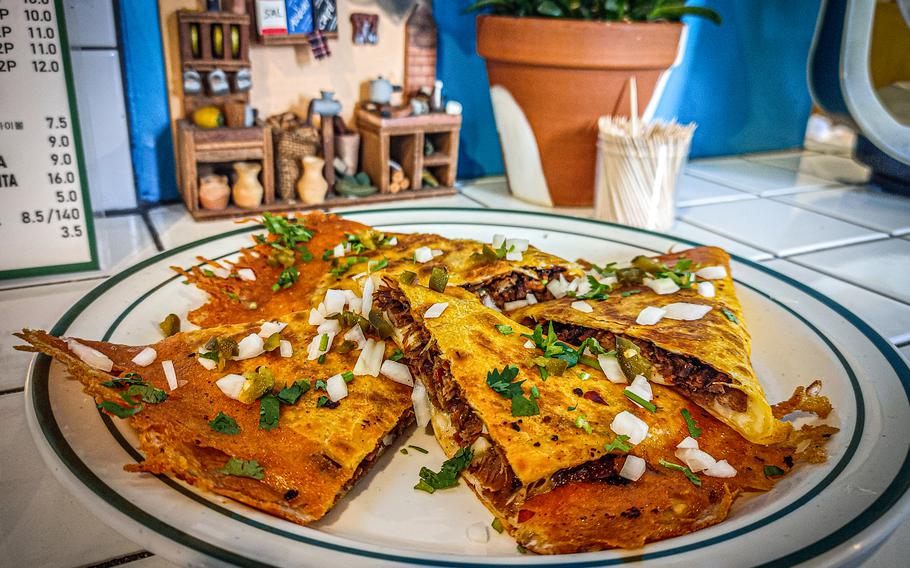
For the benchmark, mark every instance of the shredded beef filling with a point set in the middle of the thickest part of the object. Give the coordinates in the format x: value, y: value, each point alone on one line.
x: 603, y: 470
x: 364, y: 466
x: 704, y: 383
x: 516, y: 285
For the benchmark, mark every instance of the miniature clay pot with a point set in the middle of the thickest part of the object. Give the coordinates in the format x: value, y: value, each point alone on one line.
x: 551, y: 79
x: 214, y: 191
x: 312, y: 187
x: 247, y: 189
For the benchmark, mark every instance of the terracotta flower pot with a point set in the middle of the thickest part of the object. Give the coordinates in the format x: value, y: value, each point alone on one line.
x: 551, y: 79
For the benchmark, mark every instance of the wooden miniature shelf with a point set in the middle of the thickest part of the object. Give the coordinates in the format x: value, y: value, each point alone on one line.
x: 205, y: 22
x: 291, y: 39
x: 221, y: 145
x: 402, y: 140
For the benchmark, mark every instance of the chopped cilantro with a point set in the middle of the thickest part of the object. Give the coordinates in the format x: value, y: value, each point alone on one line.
x: 368, y: 240
x: 124, y: 381
x: 268, y: 412
x: 730, y: 315
x: 582, y: 423
x: 286, y: 279
x: 504, y: 329
x: 447, y: 476
x: 534, y: 392
x: 607, y: 270
x: 773, y: 471
x: 396, y: 355
x: 243, y: 468
x: 418, y: 448
x: 211, y: 355
x: 327, y: 254
x: 339, y: 269
x: 649, y: 406
x: 599, y: 290
x: 628, y: 293
x: 619, y: 444
x: 322, y: 401
x: 224, y: 424
x: 572, y: 408
x: 487, y: 254
x: 290, y: 234
x: 320, y: 385
x: 502, y: 383
x: 686, y: 471
x: 374, y: 265
x: 147, y: 393
x: 291, y: 393
x: 117, y: 410
x: 232, y: 295
x: 694, y: 430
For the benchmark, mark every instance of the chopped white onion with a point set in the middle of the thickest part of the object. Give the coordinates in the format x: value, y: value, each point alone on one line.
x: 247, y: 274
x: 397, y: 372
x: 285, y: 349
x: 220, y: 272
x: 329, y: 326
x: 208, y: 364
x: 89, y: 356
x: 557, y: 288
x: 688, y: 443
x: 421, y: 401
x: 509, y: 306
x: 338, y: 251
x: 498, y: 240
x: 633, y: 468
x: 642, y: 388
x: 169, y: 373
x: 518, y: 245
x: 514, y: 256
x: 685, y: 311
x: 649, y: 316
x: 336, y: 388
x: 529, y: 344
x: 705, y: 289
x: 313, y: 350
x: 662, y: 286
x: 423, y: 254
x: 231, y: 385
x: 271, y: 327
x: 720, y: 469
x: 369, y: 285
x: 695, y: 459
x: 370, y: 360
x: 356, y: 305
x: 582, y: 307
x: 250, y: 346
x: 627, y: 424
x: 393, y: 241
x: 573, y: 285
x: 478, y: 532
x: 583, y: 288
x: 321, y: 309
x: 436, y: 252
x: 334, y: 301
x: 488, y: 302
x: 531, y: 298
x: 316, y: 317
x: 435, y: 310
x: 712, y: 272
x: 610, y: 366
x: 355, y: 334
x: 145, y: 357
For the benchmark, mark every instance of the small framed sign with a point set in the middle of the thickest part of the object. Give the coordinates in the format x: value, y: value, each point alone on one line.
x: 45, y: 213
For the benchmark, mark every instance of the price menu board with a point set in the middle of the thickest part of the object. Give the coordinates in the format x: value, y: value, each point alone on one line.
x: 45, y: 214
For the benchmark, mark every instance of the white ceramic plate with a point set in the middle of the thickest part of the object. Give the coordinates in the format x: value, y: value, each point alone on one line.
x: 826, y: 514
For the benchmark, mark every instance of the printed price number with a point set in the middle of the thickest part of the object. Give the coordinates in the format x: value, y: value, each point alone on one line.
x: 58, y: 178
x: 66, y: 196
x: 35, y: 15
x: 61, y: 159
x: 70, y: 232
x: 62, y: 141
x: 40, y: 216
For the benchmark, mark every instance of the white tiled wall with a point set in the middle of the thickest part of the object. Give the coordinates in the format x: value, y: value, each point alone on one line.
x: 92, y: 33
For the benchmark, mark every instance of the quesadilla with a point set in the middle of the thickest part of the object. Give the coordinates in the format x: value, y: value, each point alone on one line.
x: 276, y: 275
x: 567, y: 460
x: 679, y: 323
x: 245, y: 410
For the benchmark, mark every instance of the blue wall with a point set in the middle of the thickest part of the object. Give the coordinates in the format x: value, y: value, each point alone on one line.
x: 152, y: 149
x: 465, y: 78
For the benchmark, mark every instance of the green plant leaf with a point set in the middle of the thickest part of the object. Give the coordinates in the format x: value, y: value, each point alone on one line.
x: 675, y: 12
x: 549, y: 8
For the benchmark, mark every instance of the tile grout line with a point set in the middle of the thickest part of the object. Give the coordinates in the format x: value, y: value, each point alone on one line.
x: 156, y: 238
x: 830, y: 275
x: 121, y: 560
x: 826, y: 214
x: 474, y: 199
x: 13, y: 390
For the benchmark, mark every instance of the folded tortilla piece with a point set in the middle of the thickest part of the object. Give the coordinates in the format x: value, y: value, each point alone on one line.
x: 706, y: 360
x: 548, y: 476
x: 299, y: 469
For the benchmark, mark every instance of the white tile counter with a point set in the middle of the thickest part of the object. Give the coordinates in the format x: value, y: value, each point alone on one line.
x: 789, y: 210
